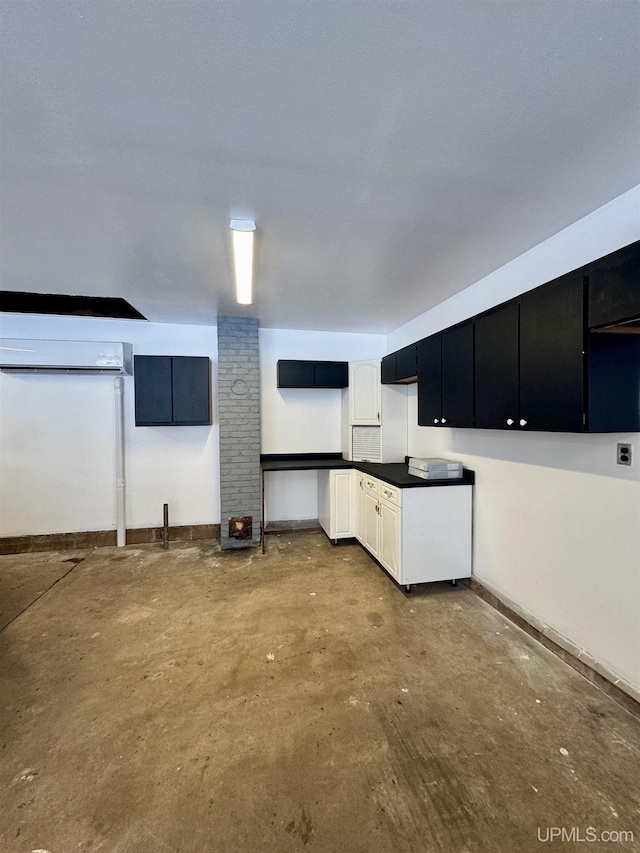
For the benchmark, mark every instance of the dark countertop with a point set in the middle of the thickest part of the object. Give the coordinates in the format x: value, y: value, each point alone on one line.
x: 394, y: 473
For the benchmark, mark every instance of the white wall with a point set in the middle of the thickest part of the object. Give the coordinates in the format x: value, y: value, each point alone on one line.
x: 57, y: 438
x: 300, y: 420
x: 556, y: 521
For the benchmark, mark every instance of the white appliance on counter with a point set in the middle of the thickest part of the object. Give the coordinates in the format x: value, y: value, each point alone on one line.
x: 374, y: 416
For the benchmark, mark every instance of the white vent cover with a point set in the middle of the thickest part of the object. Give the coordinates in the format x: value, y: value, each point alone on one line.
x: 366, y: 444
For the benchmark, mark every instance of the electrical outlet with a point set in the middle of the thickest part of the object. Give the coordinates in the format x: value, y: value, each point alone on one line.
x: 625, y: 454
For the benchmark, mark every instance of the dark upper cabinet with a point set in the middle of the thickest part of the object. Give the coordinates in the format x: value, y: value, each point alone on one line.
x: 400, y: 367
x: 552, y: 356
x: 388, y: 369
x: 560, y: 358
x: 497, y: 336
x: 457, y: 376
x: 529, y: 362
x: 407, y: 364
x: 312, y: 374
x: 614, y: 287
x: 613, y: 400
x: 445, y: 378
x: 152, y: 379
x: 429, y: 353
x: 172, y: 390
x: 190, y: 383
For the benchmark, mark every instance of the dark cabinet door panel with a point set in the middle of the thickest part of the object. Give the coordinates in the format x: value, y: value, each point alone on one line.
x: 153, y: 404
x: 388, y: 369
x: 191, y: 390
x: 614, y: 383
x: 406, y: 363
x: 429, y: 381
x: 496, y: 368
x: 457, y: 376
x: 331, y: 374
x: 551, y: 356
x: 296, y: 374
x: 614, y: 287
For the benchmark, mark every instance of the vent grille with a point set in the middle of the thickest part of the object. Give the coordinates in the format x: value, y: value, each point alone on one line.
x: 367, y: 445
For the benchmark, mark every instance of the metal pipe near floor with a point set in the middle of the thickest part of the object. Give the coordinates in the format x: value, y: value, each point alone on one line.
x: 121, y: 526
x: 165, y: 526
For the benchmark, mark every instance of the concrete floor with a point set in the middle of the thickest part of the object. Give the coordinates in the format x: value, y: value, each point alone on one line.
x: 194, y: 700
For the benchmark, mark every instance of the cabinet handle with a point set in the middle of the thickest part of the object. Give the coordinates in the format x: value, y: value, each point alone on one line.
x: 361, y: 484
x: 377, y: 507
x: 388, y: 494
x: 378, y: 417
x: 509, y: 421
x: 436, y: 421
x: 523, y: 422
x: 444, y: 420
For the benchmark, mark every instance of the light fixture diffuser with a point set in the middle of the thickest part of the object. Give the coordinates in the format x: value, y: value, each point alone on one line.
x: 242, y: 236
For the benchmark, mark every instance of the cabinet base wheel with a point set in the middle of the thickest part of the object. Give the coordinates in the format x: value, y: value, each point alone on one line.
x: 408, y: 587
x: 454, y: 582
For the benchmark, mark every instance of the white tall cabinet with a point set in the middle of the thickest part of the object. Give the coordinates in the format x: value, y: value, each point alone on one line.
x: 374, y: 416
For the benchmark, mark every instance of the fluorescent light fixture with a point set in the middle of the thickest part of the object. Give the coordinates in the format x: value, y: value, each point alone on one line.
x: 242, y: 233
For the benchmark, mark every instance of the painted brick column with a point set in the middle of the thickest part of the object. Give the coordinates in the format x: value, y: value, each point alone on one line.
x: 239, y: 420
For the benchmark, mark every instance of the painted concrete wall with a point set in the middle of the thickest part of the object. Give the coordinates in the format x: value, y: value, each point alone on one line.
x: 556, y: 521
x: 57, y: 461
x: 299, y: 420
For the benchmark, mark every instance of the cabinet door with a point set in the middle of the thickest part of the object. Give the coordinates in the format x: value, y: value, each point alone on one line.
x: 153, y: 405
x: 191, y: 387
x: 429, y: 381
x: 390, y: 538
x: 364, y: 393
x: 406, y: 364
x: 388, y: 369
x: 370, y: 523
x: 496, y: 368
x: 296, y: 374
x: 551, y: 356
x: 331, y: 374
x: 457, y: 376
x: 342, y: 503
x: 359, y: 505
x: 614, y: 287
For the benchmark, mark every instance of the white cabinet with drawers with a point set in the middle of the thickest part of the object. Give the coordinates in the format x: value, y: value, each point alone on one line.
x: 418, y: 534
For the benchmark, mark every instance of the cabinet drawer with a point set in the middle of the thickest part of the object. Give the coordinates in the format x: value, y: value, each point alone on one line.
x: 370, y: 484
x: 390, y: 493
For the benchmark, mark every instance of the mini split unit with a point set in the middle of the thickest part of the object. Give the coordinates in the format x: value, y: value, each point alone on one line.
x: 26, y: 356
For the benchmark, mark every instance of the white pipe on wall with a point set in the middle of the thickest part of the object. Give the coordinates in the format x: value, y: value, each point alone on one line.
x: 121, y: 527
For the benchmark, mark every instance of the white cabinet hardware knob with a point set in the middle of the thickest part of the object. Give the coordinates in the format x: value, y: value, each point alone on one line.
x: 509, y: 421
x: 436, y: 420
x: 444, y: 420
x: 523, y: 422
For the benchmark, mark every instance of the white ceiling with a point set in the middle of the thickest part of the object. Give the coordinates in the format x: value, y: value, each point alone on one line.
x: 392, y: 153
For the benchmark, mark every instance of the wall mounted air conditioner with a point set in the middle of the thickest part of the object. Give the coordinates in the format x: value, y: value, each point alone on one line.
x: 26, y: 356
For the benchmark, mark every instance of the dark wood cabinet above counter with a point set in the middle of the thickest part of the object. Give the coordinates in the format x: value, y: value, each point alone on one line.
x: 400, y: 367
x: 614, y: 289
x: 312, y: 374
x: 562, y: 357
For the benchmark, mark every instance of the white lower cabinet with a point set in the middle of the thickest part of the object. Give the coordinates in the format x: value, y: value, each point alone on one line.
x: 418, y: 534
x: 389, y: 553
x: 371, y: 525
x: 336, y: 505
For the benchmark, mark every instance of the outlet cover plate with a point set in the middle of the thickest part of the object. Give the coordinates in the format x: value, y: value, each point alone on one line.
x: 625, y: 454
